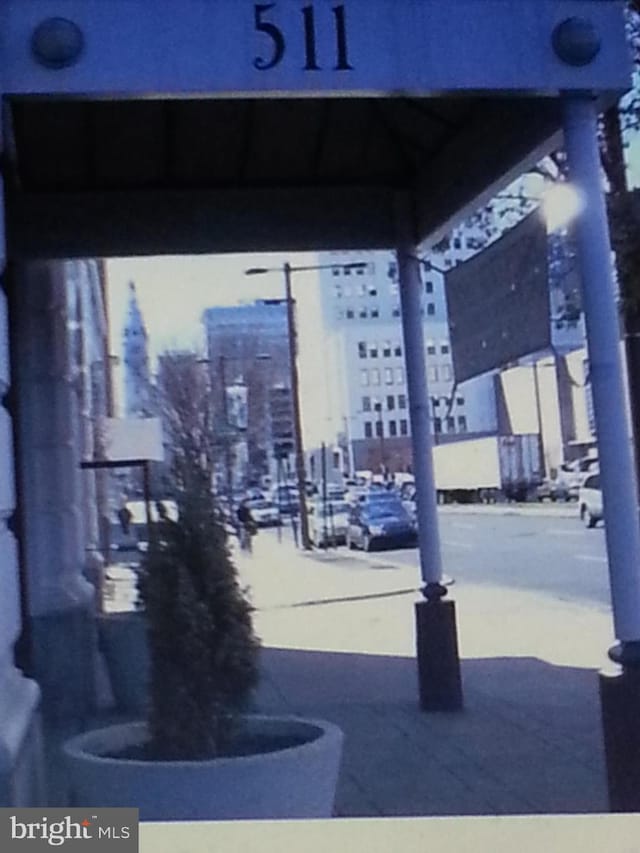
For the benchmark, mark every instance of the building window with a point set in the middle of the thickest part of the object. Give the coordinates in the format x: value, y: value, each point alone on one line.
x: 398, y: 350
x: 404, y: 429
x: 446, y: 373
x: 431, y: 348
x: 388, y: 376
x: 444, y: 349
x: 338, y: 291
x: 373, y: 291
x: 392, y: 270
x: 431, y: 309
x: 400, y: 375
x: 432, y: 373
x: 451, y: 424
x: 368, y: 431
x: 366, y: 404
x: 462, y: 423
x: 437, y: 425
x: 375, y: 377
x: 373, y: 350
x: 391, y: 403
x: 393, y: 431
x: 460, y: 401
x: 395, y: 312
x: 363, y: 313
x: 335, y: 270
x: 379, y: 429
x: 428, y: 287
x: 349, y: 314
x: 362, y: 349
x: 402, y: 401
x: 364, y: 377
x: 386, y: 349
x: 360, y: 271
x: 457, y: 243
x: 346, y: 271
x: 375, y: 312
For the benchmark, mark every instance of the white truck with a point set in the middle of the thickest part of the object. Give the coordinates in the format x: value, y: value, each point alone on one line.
x: 485, y: 469
x: 488, y: 468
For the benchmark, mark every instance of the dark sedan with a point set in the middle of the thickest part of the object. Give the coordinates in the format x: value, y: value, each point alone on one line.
x: 377, y: 523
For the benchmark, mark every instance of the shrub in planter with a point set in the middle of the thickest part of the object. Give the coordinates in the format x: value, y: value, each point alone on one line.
x: 202, y: 648
x: 198, y: 756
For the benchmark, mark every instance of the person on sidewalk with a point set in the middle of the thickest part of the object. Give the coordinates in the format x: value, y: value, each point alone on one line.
x: 246, y: 526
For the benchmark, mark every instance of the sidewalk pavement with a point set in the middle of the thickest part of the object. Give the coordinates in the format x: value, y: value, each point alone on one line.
x: 337, y: 630
x: 338, y: 643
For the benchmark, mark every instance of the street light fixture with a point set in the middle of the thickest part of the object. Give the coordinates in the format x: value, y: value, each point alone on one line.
x: 286, y: 270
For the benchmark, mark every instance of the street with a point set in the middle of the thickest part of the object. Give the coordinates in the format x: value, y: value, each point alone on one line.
x: 551, y: 553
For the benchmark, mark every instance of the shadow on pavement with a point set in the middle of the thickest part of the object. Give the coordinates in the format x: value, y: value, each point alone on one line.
x: 528, y: 741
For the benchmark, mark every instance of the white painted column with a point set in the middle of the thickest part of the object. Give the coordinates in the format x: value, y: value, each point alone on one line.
x: 21, y: 761
x: 617, y: 468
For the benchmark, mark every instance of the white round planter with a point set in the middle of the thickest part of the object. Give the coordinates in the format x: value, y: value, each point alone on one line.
x: 296, y: 782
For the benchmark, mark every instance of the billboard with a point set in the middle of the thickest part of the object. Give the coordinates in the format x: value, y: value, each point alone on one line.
x: 237, y: 406
x: 498, y: 301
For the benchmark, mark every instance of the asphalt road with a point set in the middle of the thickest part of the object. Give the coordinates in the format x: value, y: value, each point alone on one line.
x: 552, y: 555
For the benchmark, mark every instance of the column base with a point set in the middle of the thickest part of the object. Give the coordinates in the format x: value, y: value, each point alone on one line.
x: 64, y: 655
x: 620, y: 702
x: 22, y: 776
x: 439, y: 679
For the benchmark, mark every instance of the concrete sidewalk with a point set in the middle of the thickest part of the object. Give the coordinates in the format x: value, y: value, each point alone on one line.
x: 337, y: 631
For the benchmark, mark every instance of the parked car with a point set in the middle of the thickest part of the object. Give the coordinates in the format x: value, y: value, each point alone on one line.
x: 380, y: 522
x: 590, y: 500
x: 265, y: 513
x: 329, y: 524
x: 553, y: 490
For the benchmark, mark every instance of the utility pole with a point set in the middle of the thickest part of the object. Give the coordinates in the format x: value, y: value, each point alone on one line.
x: 380, y: 424
x: 226, y: 432
x: 297, y: 420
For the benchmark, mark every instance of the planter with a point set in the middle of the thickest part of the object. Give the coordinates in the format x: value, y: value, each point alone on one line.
x: 123, y: 642
x: 292, y: 782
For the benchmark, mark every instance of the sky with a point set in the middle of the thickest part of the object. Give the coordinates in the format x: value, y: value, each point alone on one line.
x: 173, y: 292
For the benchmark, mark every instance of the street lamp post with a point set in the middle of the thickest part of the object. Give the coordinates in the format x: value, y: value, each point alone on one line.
x: 287, y: 269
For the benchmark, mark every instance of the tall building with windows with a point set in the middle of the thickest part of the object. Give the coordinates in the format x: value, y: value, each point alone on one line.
x: 361, y: 315
x: 248, y: 347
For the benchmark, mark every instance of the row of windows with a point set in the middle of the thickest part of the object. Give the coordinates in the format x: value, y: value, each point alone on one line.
x: 374, y: 312
x: 369, y: 405
x: 362, y: 313
x: 401, y: 427
x: 394, y: 428
x: 450, y: 424
x: 348, y: 270
x: 391, y: 375
x: 435, y: 401
x: 432, y: 349
x: 387, y: 349
x: 439, y: 373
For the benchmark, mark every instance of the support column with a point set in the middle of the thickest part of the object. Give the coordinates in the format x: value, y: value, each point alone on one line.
x: 436, y: 632
x: 21, y: 751
x: 61, y: 601
x: 619, y: 692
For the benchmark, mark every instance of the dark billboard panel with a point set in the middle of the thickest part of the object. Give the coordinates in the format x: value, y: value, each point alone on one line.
x: 498, y: 301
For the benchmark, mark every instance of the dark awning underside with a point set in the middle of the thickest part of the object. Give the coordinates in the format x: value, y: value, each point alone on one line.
x: 184, y: 176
